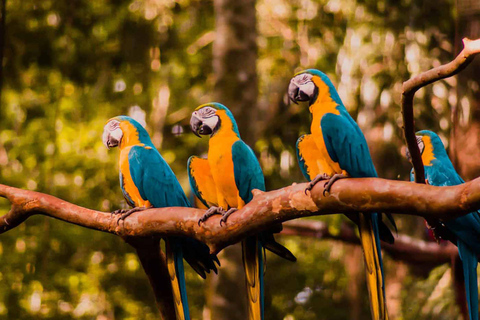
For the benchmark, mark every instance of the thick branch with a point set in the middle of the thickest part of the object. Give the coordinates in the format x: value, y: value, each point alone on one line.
x: 406, y: 249
x: 471, y: 48
x: 265, y: 210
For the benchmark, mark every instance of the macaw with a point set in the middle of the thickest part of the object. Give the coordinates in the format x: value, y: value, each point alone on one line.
x: 224, y: 183
x: 147, y: 181
x: 463, y: 231
x: 335, y: 149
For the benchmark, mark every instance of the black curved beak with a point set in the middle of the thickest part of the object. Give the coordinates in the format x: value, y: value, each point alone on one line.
x: 196, y: 124
x: 293, y: 90
x: 407, y: 154
x: 296, y: 94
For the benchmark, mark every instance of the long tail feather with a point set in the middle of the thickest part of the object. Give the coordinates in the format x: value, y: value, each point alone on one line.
x: 270, y: 244
x: 370, y: 240
x: 470, y: 261
x: 253, y: 265
x: 177, y: 277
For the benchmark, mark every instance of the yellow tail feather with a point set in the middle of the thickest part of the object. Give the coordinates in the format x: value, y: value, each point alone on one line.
x: 251, y: 264
x: 373, y: 269
x: 177, y: 297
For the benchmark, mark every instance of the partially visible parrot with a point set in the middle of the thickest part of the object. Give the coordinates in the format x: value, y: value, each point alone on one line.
x: 147, y: 181
x: 335, y: 149
x: 463, y: 231
x: 224, y: 183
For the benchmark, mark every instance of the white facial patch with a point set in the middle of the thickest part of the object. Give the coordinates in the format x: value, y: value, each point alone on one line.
x: 112, y: 134
x: 304, y: 83
x: 211, y: 122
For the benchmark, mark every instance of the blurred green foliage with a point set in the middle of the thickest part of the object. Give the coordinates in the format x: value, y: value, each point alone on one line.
x: 71, y: 65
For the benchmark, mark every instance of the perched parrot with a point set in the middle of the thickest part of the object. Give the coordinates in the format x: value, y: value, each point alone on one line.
x: 147, y: 181
x: 463, y: 231
x: 224, y: 183
x: 336, y: 148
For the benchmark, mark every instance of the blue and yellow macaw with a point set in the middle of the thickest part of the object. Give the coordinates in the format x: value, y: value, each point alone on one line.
x: 336, y: 148
x: 147, y: 181
x: 463, y: 231
x: 224, y: 183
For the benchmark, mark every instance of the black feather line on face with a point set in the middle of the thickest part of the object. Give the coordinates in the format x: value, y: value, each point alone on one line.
x: 217, y: 127
x: 314, y: 95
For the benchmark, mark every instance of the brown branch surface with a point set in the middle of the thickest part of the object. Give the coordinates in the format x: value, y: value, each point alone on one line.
x: 406, y: 249
x: 470, y: 50
x: 266, y: 209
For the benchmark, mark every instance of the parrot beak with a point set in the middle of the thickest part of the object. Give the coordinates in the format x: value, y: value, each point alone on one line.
x: 293, y: 90
x: 196, y: 125
x: 106, y: 139
x: 112, y: 135
x: 296, y: 94
x: 407, y: 154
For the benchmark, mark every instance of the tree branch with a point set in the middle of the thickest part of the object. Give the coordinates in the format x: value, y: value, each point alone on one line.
x: 407, y: 249
x: 266, y: 209
x: 470, y: 50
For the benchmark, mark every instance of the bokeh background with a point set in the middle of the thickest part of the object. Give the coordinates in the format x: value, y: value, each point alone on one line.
x: 71, y: 65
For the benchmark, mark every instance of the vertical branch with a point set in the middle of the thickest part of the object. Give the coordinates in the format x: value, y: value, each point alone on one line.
x: 234, y: 62
x: 471, y: 48
x: 410, y: 87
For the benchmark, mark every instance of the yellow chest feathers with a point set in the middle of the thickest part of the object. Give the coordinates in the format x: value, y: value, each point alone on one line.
x: 221, y: 166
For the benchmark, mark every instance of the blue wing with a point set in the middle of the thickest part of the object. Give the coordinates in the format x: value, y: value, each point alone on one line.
x: 154, y: 179
x: 346, y: 145
x: 247, y: 170
x: 157, y: 183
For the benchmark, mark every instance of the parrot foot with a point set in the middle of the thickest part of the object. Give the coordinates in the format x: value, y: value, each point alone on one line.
x: 126, y: 212
x: 226, y: 215
x: 315, y: 180
x: 331, y: 181
x: 211, y: 212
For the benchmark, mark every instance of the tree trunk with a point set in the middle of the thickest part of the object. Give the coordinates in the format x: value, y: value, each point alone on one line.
x: 236, y: 86
x: 234, y: 62
x: 465, y: 135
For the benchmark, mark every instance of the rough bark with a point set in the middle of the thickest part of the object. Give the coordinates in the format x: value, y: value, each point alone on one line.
x: 234, y: 62
x: 266, y: 209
